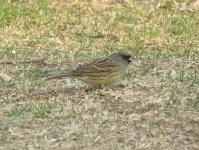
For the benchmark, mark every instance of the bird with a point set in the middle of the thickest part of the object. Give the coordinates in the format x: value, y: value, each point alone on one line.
x: 102, y: 71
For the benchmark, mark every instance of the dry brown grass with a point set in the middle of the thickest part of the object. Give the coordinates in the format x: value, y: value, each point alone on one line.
x: 159, y: 107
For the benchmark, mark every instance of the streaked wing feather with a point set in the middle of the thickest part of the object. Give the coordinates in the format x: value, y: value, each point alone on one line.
x: 104, y: 63
x: 100, y: 66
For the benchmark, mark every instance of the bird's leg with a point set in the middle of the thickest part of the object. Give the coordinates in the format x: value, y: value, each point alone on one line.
x: 100, y: 86
x: 123, y: 85
x: 94, y: 87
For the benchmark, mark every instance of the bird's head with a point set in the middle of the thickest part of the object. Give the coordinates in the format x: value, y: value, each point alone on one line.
x: 122, y: 58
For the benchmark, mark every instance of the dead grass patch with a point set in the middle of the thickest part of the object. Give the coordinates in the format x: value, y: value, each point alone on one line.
x: 158, y: 109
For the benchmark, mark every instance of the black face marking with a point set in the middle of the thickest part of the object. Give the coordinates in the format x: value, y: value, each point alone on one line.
x: 126, y: 57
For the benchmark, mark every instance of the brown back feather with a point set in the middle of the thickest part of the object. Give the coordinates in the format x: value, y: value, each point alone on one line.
x: 100, y: 66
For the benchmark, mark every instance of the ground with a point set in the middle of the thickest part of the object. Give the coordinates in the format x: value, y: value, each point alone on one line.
x: 157, y: 106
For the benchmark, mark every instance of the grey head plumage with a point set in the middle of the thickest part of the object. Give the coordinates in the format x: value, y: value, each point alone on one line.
x: 122, y: 59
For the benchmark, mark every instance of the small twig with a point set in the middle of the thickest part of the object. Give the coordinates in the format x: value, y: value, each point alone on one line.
x: 37, y: 61
x: 7, y: 62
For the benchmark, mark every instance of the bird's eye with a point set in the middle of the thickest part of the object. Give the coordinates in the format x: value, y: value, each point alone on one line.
x: 126, y: 56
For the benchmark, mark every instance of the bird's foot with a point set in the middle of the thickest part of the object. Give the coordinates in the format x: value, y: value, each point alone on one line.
x: 93, y: 88
x: 124, y: 85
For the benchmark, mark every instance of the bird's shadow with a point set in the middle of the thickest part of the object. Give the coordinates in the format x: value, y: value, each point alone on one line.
x: 71, y: 91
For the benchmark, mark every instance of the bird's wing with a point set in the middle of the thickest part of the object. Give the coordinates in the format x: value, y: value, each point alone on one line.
x: 105, y: 63
x: 100, y: 66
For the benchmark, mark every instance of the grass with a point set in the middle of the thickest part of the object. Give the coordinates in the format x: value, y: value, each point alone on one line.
x: 159, y: 107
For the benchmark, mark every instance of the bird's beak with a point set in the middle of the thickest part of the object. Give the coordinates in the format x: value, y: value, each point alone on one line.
x: 132, y: 59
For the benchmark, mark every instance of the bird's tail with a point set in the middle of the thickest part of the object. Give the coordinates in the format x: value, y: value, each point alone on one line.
x: 59, y: 76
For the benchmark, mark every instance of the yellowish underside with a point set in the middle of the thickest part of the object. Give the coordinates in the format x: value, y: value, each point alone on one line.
x: 100, y: 80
